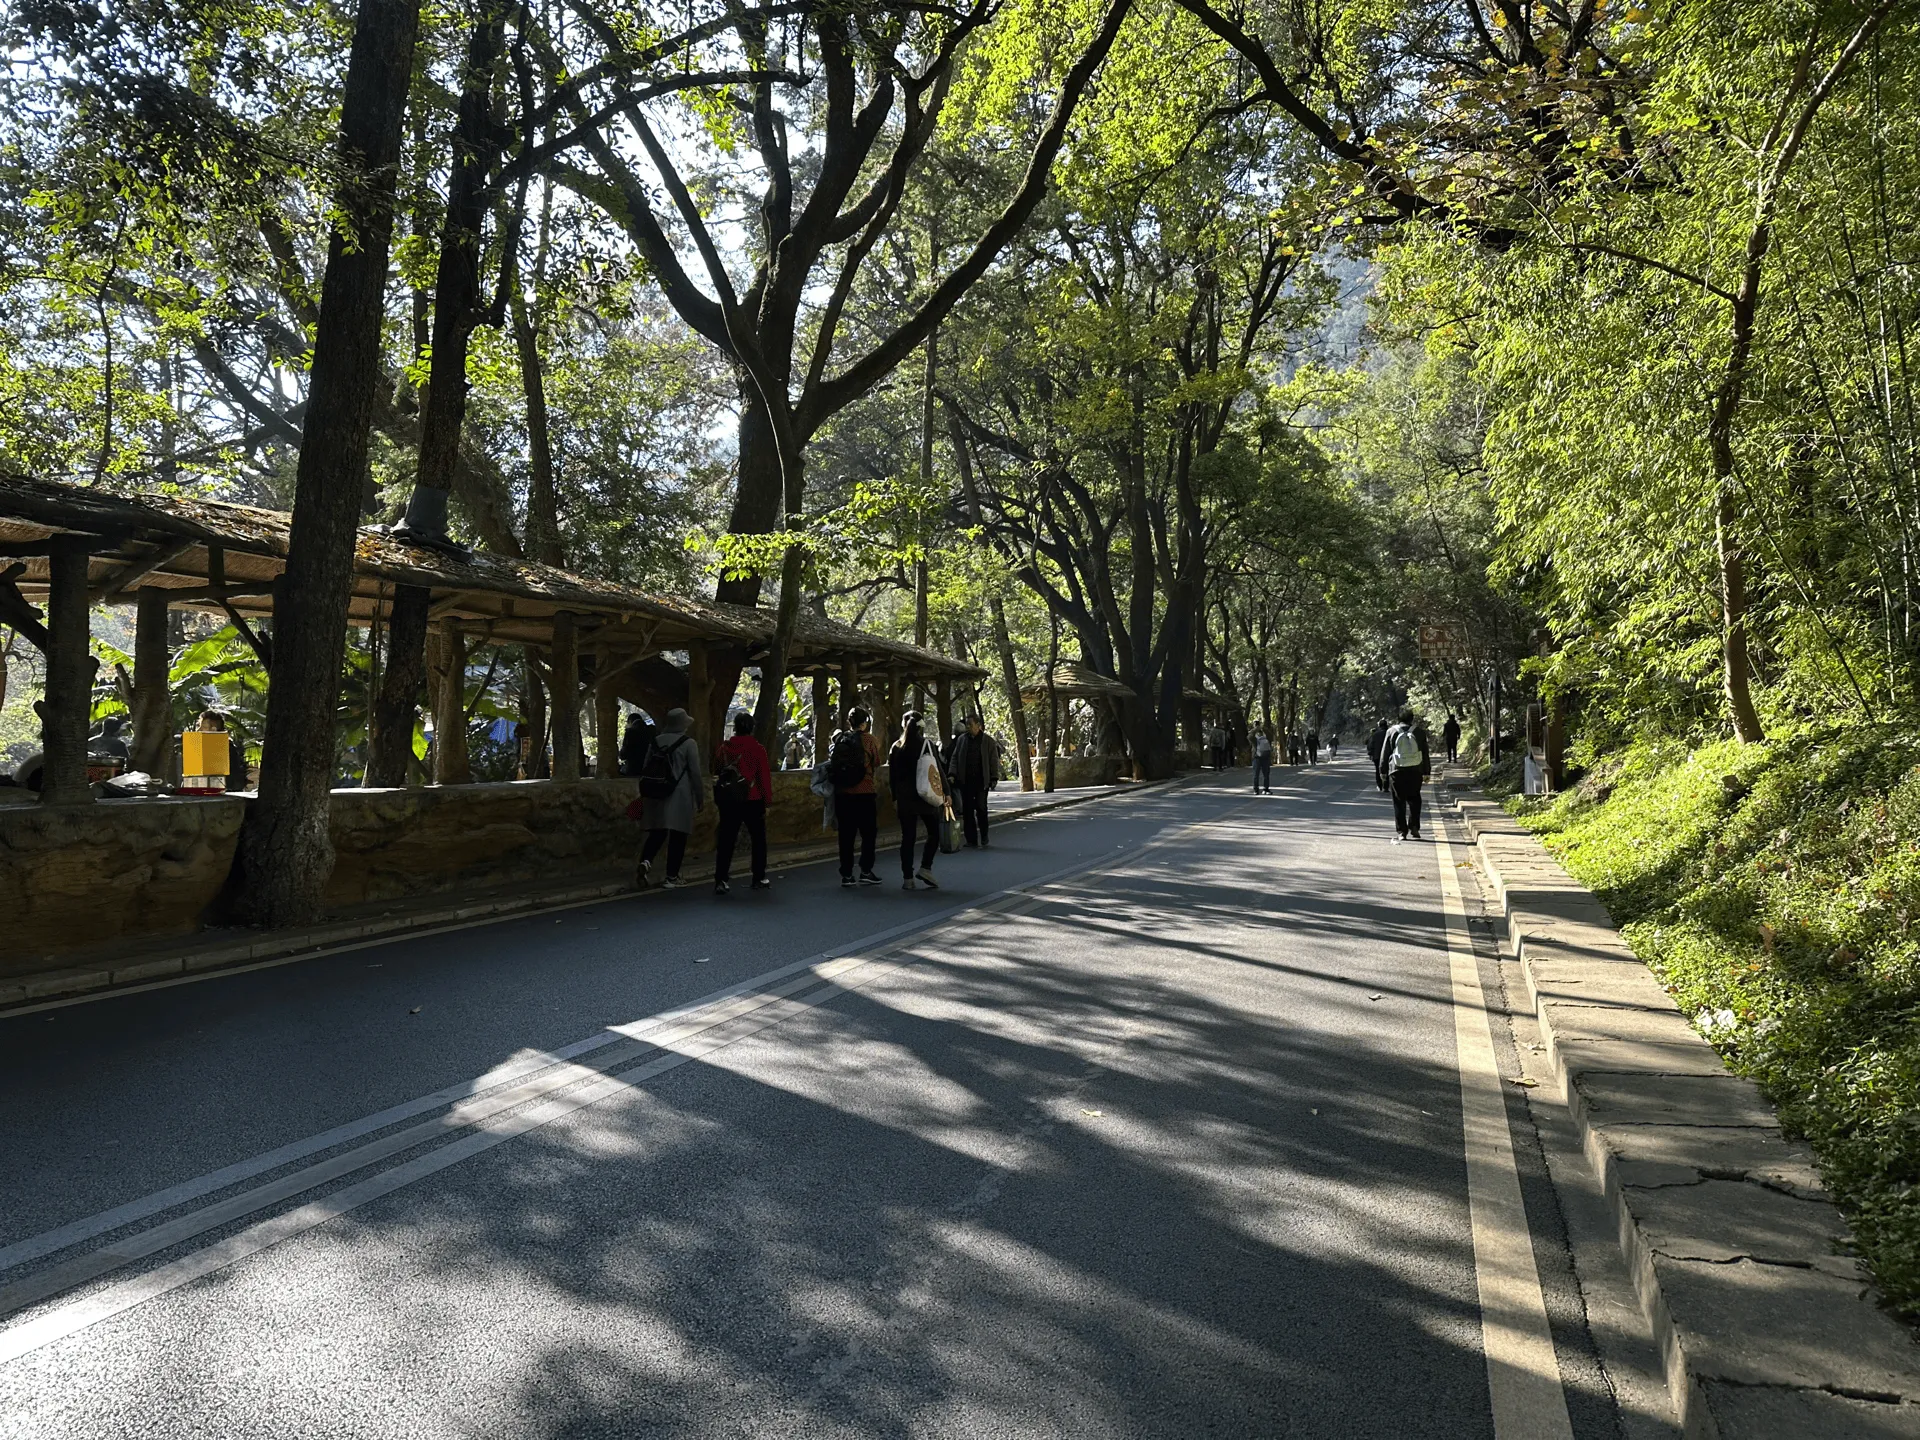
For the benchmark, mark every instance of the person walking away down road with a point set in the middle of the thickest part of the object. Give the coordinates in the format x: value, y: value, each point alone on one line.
x: 671, y: 791
x: 974, y: 764
x: 1450, y: 734
x: 1262, y: 763
x: 1375, y: 742
x: 1333, y: 746
x: 853, y: 759
x: 1403, y: 762
x: 742, y: 785
x: 1313, y: 747
x: 919, y: 799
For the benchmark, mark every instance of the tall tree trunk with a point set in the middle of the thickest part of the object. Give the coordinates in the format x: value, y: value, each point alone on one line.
x: 390, y: 751
x: 286, y: 851
x: 1002, y: 640
x: 65, y: 707
x: 768, y: 713
x: 565, y: 665
x: 543, y: 506
x: 928, y: 377
x: 152, y: 734
x: 451, y: 763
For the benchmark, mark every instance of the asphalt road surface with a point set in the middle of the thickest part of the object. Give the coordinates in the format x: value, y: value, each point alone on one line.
x: 1174, y: 1114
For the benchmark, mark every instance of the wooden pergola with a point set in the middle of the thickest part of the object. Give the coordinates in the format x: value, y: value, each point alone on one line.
x: 70, y: 548
x: 1076, y: 680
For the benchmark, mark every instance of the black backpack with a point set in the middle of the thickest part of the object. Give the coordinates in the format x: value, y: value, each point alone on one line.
x: 847, y: 761
x: 729, y: 785
x: 657, y: 780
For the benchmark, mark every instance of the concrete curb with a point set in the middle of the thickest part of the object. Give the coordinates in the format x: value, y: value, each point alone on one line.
x: 1766, y: 1327
x: 248, y: 948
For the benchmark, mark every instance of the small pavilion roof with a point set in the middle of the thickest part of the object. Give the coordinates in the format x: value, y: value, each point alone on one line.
x: 218, y: 556
x: 1076, y: 680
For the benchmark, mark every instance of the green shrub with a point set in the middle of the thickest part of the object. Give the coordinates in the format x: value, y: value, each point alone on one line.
x: 1774, y: 889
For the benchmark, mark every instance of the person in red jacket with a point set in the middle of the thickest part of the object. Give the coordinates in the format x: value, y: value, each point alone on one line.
x: 742, y: 785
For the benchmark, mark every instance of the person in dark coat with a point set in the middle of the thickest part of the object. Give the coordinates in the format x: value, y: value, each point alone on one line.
x: 1450, y: 737
x: 1374, y: 742
x: 904, y: 765
x: 973, y: 764
x: 1404, y: 762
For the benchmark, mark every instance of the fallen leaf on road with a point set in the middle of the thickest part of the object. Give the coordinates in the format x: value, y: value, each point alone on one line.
x: 1376, y: 997
x: 414, y: 1011
x: 1316, y: 1112
x: 1526, y: 1080
x: 1095, y: 1113
x: 702, y: 959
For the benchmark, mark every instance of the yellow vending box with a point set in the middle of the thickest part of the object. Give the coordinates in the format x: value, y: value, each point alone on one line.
x: 204, y: 762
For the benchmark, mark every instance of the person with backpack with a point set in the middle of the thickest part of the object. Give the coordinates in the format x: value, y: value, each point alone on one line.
x: 1450, y: 737
x: 974, y: 763
x: 919, y: 799
x: 670, y: 796
x: 1403, y: 765
x: 853, y: 759
x: 742, y: 785
x: 1313, y: 747
x: 1262, y: 763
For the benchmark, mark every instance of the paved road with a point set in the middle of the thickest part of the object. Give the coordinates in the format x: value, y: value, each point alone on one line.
x: 1148, y: 1123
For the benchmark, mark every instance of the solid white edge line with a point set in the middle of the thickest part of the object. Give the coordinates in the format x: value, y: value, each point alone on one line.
x: 1523, y: 1373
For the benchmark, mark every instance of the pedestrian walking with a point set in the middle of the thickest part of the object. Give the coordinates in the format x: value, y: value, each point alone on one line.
x: 742, y: 785
x: 1403, y: 765
x: 1375, y: 742
x: 1450, y: 736
x: 671, y: 795
x: 1262, y: 763
x: 853, y: 759
x: 1313, y: 747
x: 1333, y: 745
x: 919, y: 799
x: 635, y: 743
x: 973, y: 764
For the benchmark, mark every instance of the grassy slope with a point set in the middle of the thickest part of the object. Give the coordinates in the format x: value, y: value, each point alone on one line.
x: 1779, y: 908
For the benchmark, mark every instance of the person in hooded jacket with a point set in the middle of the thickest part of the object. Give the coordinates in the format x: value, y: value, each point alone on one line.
x: 1374, y: 742
x: 973, y: 762
x: 669, y: 819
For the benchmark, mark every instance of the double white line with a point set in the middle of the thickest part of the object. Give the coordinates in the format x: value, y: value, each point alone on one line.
x: 490, y: 1110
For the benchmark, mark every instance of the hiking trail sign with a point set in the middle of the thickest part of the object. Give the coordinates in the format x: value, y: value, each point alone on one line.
x: 1447, y: 641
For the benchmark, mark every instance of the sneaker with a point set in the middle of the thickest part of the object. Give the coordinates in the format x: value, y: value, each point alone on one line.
x: 1417, y: 835
x: 643, y: 876
x: 867, y: 877
x: 907, y: 884
x: 846, y: 882
x: 926, y: 879
x: 763, y: 883
x: 672, y: 882
x: 721, y: 887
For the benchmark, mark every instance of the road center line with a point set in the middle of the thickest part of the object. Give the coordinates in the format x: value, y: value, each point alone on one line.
x: 1523, y: 1373
x: 734, y: 1014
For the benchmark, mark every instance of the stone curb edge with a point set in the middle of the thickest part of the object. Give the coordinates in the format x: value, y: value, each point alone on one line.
x: 1768, y: 1330
x: 30, y: 991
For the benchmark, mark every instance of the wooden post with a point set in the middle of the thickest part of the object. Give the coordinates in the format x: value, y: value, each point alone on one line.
x: 606, y: 724
x: 896, y: 703
x: 699, y: 699
x: 152, y: 730
x: 849, y: 686
x: 68, y: 706
x: 564, y: 662
x: 447, y: 664
x: 823, y: 718
x: 943, y: 705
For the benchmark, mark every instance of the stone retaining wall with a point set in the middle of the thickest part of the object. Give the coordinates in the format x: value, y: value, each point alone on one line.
x: 1768, y: 1328
x: 87, y: 879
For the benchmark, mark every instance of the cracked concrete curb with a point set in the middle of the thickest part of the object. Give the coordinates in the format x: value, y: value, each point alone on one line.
x: 234, y: 950
x: 1768, y: 1329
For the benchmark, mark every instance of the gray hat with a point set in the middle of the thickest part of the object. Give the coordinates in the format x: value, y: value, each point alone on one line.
x: 677, y: 719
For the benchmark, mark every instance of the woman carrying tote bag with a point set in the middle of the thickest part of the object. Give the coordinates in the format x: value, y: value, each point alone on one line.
x: 919, y: 798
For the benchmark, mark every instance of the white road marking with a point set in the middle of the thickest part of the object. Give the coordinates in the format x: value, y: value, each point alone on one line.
x: 494, y: 1120
x: 1523, y: 1373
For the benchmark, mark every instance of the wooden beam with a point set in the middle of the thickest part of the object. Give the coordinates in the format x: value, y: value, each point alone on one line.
x: 564, y: 698
x: 15, y: 611
x: 159, y: 556
x: 152, y: 732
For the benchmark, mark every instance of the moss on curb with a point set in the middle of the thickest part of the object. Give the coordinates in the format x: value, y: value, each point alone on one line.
x: 1775, y: 891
